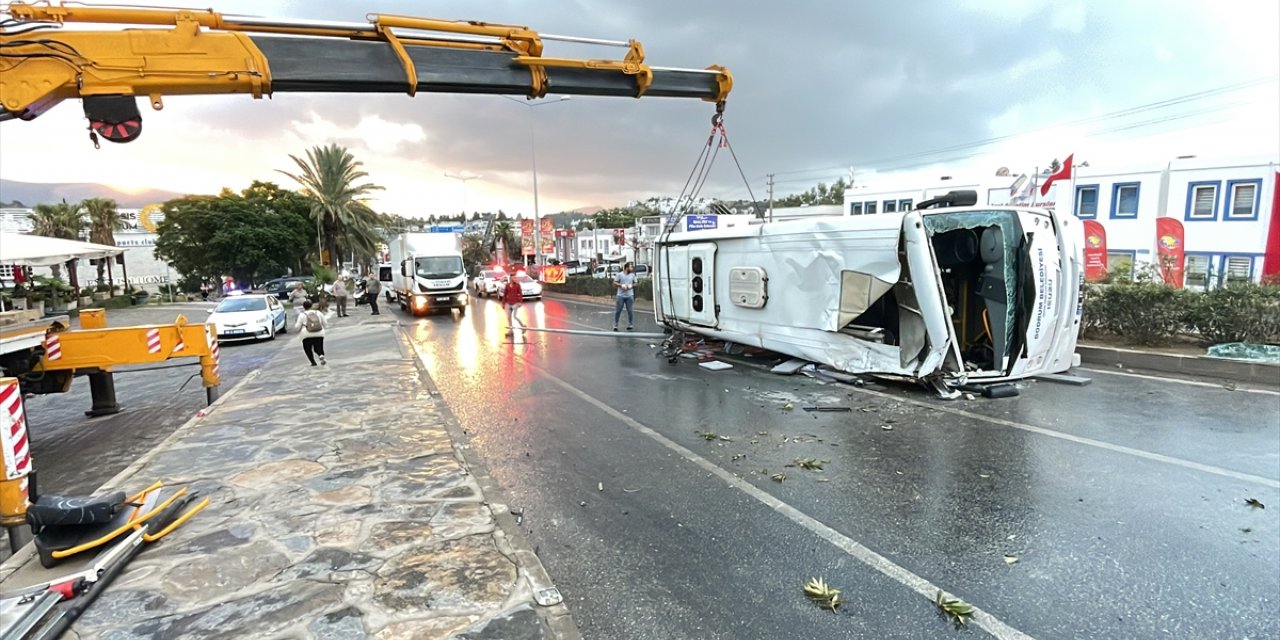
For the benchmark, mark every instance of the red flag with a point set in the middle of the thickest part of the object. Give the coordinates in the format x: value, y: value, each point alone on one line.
x: 1095, y: 251
x: 1169, y: 248
x: 1063, y: 174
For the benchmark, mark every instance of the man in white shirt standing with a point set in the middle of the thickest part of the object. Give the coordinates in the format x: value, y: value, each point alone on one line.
x: 625, y: 283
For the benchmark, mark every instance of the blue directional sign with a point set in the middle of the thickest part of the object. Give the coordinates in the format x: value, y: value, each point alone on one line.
x: 701, y: 222
x: 447, y: 228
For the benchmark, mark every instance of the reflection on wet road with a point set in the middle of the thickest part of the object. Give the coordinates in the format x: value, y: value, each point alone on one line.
x: 1114, y: 510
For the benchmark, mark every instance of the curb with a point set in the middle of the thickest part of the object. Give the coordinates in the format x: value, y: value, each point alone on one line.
x: 1197, y: 366
x: 557, y: 617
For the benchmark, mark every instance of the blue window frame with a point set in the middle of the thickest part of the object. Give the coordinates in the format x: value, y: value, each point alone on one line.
x: 1242, y: 198
x: 890, y: 206
x: 1122, y: 262
x: 1235, y: 268
x: 869, y: 207
x: 1124, y: 200
x: 1202, y: 200
x: 1086, y: 201
x: 856, y: 209
x: 904, y: 205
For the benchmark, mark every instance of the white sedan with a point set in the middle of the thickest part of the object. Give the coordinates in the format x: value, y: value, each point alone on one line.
x: 249, y: 317
x: 529, y: 288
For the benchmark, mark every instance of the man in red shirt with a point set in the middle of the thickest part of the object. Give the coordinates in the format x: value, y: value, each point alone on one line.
x: 512, y: 298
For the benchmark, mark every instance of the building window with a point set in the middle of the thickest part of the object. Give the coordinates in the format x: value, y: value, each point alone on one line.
x: 1242, y: 200
x: 1202, y: 201
x: 1120, y: 264
x: 1195, y: 273
x: 1087, y: 201
x: 870, y: 207
x: 904, y: 205
x: 1124, y: 200
x: 1237, y: 269
x: 856, y: 209
x: 890, y: 206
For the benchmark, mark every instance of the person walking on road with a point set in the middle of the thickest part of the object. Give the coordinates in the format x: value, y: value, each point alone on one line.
x: 372, y: 289
x: 625, y: 283
x: 512, y: 298
x: 310, y: 326
x: 340, y: 294
x: 297, y: 297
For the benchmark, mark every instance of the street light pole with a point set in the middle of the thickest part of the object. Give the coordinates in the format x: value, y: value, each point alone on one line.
x: 464, y: 178
x: 533, y: 156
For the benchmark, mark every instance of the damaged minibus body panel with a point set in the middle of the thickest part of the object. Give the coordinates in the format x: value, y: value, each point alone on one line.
x: 942, y: 295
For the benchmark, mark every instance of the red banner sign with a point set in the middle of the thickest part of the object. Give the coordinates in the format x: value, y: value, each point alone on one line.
x: 1170, y: 249
x: 526, y: 237
x: 554, y: 273
x: 1095, y: 251
x: 548, y: 234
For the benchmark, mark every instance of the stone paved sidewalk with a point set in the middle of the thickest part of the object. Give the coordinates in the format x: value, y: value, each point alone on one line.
x: 341, y: 509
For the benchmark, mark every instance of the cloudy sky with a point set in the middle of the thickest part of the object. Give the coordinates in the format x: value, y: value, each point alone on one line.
x: 920, y: 87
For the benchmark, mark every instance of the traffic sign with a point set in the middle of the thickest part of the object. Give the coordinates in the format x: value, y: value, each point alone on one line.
x: 701, y: 222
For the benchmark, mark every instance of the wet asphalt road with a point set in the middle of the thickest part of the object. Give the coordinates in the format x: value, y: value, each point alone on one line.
x: 1123, y: 502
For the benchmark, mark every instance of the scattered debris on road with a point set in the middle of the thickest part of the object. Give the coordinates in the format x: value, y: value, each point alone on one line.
x: 822, y: 594
x: 808, y: 464
x: 519, y: 515
x: 958, y: 609
x: 1253, y: 502
x: 711, y: 436
x: 778, y: 477
x: 599, y: 486
x: 1010, y: 559
x: 829, y: 409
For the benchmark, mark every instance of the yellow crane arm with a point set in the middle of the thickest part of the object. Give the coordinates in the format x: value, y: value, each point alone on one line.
x: 203, y: 52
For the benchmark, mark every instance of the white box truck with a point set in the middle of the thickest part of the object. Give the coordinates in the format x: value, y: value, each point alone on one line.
x: 428, y: 272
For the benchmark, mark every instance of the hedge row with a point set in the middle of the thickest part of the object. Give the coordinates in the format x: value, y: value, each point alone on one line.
x: 1150, y: 313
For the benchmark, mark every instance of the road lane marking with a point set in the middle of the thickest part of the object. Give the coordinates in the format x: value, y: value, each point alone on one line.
x: 1194, y: 383
x: 1236, y: 475
x: 863, y: 554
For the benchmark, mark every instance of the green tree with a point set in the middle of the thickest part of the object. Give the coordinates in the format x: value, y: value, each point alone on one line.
x: 60, y: 220
x: 504, y: 232
x: 474, y: 253
x: 104, y: 222
x: 330, y: 178
x: 821, y: 194
x: 257, y: 234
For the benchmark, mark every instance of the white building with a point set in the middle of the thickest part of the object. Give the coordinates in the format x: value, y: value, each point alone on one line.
x: 1226, y: 210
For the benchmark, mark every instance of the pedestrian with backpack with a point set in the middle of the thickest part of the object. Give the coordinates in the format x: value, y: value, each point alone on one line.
x: 310, y: 327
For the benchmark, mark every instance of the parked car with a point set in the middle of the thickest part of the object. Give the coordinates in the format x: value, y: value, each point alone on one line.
x: 488, y: 282
x: 576, y: 268
x: 249, y: 317
x: 280, y: 287
x: 643, y: 271
x: 529, y: 288
x: 607, y: 270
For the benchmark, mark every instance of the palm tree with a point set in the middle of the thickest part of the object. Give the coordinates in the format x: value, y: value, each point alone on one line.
x: 503, y: 233
x: 59, y: 221
x: 343, y: 221
x: 104, y: 222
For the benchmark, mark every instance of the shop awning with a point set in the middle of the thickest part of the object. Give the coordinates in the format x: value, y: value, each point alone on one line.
x: 39, y: 251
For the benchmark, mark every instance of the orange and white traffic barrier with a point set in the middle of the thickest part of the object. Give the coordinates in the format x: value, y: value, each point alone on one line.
x: 153, y: 340
x: 52, y: 347
x: 15, y: 460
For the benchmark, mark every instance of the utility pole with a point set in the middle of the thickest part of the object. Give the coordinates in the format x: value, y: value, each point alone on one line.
x: 771, y: 197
